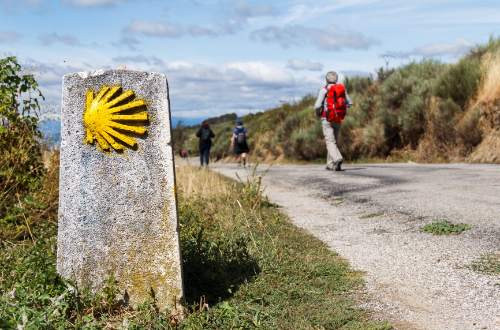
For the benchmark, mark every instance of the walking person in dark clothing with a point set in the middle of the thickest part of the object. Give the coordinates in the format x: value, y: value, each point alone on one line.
x: 239, y: 142
x: 205, y: 134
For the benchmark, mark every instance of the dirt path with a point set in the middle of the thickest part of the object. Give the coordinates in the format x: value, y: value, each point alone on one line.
x: 371, y: 215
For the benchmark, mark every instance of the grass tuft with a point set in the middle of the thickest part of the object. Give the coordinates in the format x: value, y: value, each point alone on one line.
x: 444, y: 227
x: 487, y: 264
x: 371, y: 215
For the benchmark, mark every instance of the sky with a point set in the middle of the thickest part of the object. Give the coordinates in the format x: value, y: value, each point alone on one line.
x: 240, y: 56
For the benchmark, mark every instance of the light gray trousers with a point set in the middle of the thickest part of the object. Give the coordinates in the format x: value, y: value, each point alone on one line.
x: 331, y: 132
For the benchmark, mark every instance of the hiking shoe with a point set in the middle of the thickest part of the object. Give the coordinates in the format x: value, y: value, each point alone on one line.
x: 328, y: 168
x: 338, y: 166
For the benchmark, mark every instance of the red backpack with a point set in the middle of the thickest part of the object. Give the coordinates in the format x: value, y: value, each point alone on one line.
x: 336, y: 104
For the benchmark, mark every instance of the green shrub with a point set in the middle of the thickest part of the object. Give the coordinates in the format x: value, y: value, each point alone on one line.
x: 21, y: 166
x: 358, y: 85
x: 404, y: 98
x: 468, y: 130
x: 442, y: 121
x: 460, y: 81
x: 306, y: 144
x: 374, y: 139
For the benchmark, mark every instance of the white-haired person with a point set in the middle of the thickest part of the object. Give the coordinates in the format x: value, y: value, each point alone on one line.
x: 331, y: 106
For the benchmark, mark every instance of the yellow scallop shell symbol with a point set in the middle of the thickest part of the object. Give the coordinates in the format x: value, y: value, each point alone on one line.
x: 114, y: 118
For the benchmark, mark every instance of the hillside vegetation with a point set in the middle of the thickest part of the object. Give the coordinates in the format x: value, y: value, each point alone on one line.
x: 424, y: 111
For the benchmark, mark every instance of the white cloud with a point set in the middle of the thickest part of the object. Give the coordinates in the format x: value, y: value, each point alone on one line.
x: 238, y: 16
x: 303, y: 12
x: 53, y: 38
x: 453, y: 49
x: 258, y: 72
x: 151, y: 60
x: 245, y: 10
x: 171, y: 30
x: 49, y: 77
x: 129, y: 42
x: 93, y: 3
x: 9, y: 36
x: 155, y: 29
x: 304, y: 65
x: 322, y: 38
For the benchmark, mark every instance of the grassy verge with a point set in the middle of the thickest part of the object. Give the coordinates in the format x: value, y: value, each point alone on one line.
x: 444, y: 227
x: 295, y: 283
x: 245, y: 266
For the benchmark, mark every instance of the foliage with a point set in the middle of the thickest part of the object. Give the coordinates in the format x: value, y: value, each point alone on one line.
x: 460, y: 81
x: 245, y: 267
x: 444, y: 227
x: 20, y: 154
x: 404, y: 96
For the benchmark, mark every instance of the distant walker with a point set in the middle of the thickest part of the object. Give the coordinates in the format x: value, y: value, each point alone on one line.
x: 239, y: 142
x: 205, y: 134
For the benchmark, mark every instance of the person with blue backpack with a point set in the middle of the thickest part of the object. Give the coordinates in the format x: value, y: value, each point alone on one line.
x: 239, y: 142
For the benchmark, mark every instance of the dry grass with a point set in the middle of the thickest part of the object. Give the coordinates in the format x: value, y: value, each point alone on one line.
x: 488, y: 151
x: 199, y: 182
x: 490, y: 87
x: 488, y: 101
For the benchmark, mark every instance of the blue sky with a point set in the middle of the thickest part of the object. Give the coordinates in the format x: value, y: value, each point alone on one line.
x: 236, y: 56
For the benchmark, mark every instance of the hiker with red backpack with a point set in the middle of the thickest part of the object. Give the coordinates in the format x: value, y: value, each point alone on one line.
x: 331, y: 106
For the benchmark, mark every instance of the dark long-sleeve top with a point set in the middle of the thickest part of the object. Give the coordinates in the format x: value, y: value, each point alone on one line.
x: 207, y: 142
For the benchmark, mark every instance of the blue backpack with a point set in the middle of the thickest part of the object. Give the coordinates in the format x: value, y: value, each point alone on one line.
x: 241, y: 135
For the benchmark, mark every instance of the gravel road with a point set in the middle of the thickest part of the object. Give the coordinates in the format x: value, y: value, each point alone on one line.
x: 372, y: 214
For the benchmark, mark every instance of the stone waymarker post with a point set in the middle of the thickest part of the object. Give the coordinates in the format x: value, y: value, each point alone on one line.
x: 117, y: 206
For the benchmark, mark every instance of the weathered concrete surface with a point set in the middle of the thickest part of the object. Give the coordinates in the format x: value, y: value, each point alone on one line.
x: 372, y: 215
x: 117, y: 211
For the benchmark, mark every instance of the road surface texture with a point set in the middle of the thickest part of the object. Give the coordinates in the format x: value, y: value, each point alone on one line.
x: 372, y: 215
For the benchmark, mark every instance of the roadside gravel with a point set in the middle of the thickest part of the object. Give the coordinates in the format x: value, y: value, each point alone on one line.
x: 372, y: 214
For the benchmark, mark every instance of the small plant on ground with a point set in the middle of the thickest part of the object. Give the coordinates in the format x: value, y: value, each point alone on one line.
x: 487, y: 264
x: 371, y: 215
x: 444, y: 227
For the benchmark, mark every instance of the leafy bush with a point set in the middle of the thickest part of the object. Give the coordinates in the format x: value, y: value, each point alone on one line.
x: 306, y: 144
x: 460, y: 81
x: 358, y: 85
x: 441, y: 119
x: 21, y: 165
x: 468, y: 130
x: 404, y: 96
